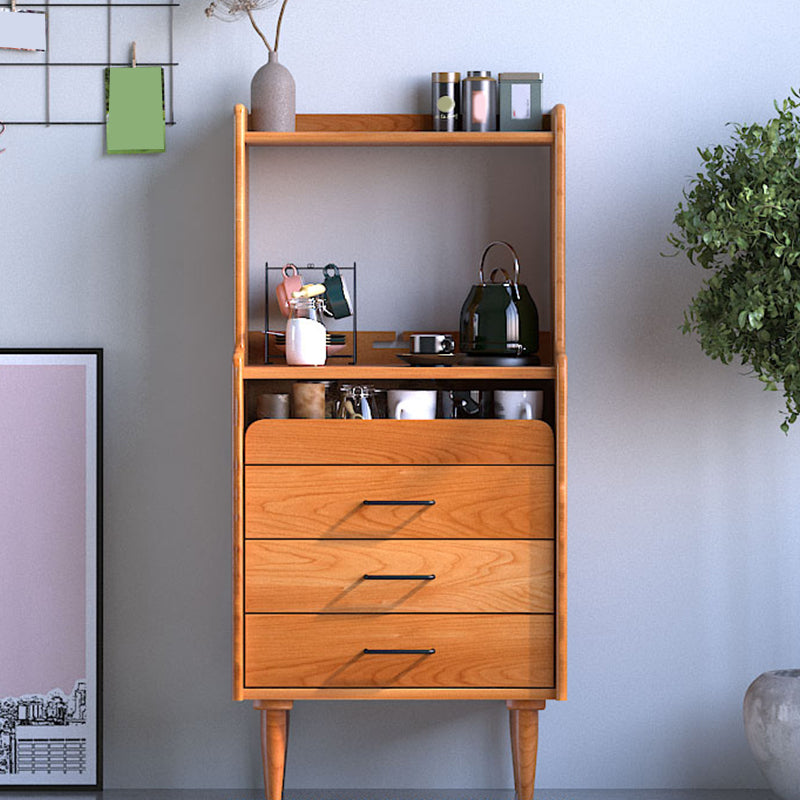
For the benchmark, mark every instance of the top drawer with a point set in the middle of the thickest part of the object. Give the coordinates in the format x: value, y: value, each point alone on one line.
x: 389, y: 441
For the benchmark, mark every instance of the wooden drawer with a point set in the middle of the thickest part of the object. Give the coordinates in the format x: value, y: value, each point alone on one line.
x: 327, y: 650
x: 479, y: 502
x: 388, y: 441
x: 328, y: 576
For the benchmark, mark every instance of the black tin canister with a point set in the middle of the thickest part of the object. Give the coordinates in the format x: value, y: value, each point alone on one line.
x: 446, y: 101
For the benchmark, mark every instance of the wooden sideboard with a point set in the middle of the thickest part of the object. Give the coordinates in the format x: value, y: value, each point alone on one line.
x: 399, y: 559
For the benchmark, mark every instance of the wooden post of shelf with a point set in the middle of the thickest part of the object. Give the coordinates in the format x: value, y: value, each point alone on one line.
x: 241, y: 229
x: 238, y: 411
x: 557, y: 239
x: 561, y: 527
x: 237, y: 562
x: 558, y: 282
x: 523, y: 718
x: 274, y: 743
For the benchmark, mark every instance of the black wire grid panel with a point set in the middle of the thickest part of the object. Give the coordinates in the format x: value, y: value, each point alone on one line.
x: 47, y: 64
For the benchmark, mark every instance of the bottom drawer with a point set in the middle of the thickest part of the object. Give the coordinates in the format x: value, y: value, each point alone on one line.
x: 327, y: 650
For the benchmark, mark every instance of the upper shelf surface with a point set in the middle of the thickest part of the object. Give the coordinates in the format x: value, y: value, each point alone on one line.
x: 387, y: 130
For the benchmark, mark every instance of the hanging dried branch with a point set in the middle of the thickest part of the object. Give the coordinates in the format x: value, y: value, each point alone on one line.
x: 231, y: 10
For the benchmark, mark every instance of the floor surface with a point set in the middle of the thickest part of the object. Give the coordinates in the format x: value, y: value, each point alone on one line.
x: 387, y: 794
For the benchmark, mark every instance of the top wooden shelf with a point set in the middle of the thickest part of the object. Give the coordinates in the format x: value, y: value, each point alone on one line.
x: 388, y: 130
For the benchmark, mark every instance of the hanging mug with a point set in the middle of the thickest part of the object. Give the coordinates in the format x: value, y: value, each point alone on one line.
x: 337, y: 298
x: 292, y: 282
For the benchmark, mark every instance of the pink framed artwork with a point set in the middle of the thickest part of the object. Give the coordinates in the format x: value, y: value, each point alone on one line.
x: 50, y: 568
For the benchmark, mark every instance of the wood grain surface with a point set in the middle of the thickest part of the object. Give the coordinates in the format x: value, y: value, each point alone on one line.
x: 328, y: 501
x: 408, y: 441
x: 327, y: 650
x: 470, y: 576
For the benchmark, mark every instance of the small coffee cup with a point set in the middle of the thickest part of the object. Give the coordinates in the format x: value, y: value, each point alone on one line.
x: 308, y: 400
x: 431, y: 343
x: 272, y: 406
x: 518, y: 403
x: 461, y: 403
x: 412, y: 403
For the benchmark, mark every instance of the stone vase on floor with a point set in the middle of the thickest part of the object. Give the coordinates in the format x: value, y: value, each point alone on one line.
x: 272, y: 97
x: 772, y: 725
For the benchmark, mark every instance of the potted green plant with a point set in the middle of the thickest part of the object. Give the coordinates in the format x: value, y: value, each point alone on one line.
x: 740, y: 221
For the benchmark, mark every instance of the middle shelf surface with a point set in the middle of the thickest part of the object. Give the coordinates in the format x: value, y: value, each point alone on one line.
x: 382, y: 363
x: 368, y: 372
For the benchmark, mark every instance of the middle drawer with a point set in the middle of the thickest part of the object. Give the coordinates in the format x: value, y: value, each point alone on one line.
x: 470, y: 575
x: 423, y: 501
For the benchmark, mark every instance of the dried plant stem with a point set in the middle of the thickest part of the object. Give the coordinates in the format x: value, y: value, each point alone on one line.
x: 260, y: 32
x: 280, y: 20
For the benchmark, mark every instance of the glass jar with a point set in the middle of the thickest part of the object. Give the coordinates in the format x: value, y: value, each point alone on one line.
x: 362, y: 402
x: 305, y: 332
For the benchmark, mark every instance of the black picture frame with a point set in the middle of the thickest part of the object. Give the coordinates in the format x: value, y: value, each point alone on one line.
x: 51, y: 735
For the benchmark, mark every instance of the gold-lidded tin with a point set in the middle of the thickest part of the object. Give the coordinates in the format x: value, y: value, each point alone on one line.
x: 446, y: 101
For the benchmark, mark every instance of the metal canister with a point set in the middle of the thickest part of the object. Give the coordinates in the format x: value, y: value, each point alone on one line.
x: 479, y: 101
x: 446, y: 101
x: 520, y: 101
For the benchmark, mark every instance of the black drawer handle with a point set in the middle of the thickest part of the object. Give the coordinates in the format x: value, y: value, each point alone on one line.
x: 370, y: 652
x: 399, y: 577
x: 399, y: 502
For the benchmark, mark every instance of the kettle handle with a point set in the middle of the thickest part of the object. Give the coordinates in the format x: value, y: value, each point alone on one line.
x: 513, y: 253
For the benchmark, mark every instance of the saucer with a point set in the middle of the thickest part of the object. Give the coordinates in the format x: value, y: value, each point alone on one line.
x: 334, y: 342
x: 501, y: 361
x: 431, y: 359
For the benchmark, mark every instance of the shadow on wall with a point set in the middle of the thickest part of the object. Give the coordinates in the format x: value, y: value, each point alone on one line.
x: 168, y: 480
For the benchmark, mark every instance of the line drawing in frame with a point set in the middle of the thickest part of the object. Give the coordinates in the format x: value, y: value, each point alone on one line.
x: 51, y: 482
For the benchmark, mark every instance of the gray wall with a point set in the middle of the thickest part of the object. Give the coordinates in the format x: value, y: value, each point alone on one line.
x: 683, y: 508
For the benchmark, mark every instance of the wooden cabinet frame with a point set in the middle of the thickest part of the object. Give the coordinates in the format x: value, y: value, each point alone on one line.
x: 404, y: 130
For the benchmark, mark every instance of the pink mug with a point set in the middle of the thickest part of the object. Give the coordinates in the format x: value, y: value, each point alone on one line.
x: 291, y: 283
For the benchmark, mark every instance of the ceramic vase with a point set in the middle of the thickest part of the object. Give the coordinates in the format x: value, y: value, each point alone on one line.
x: 272, y: 97
x: 772, y: 725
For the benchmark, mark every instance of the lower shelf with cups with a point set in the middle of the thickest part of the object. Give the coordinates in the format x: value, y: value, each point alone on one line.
x: 438, y: 399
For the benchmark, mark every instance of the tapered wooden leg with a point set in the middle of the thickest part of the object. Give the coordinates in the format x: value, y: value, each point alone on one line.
x: 523, y: 718
x: 274, y: 742
x: 513, y: 719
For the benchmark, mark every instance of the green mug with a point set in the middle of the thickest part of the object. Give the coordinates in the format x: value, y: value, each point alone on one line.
x: 337, y: 298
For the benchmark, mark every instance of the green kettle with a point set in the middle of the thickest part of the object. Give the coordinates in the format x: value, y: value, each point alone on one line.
x: 499, y: 319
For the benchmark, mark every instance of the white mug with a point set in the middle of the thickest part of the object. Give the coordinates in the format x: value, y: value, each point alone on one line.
x: 518, y: 403
x: 412, y: 403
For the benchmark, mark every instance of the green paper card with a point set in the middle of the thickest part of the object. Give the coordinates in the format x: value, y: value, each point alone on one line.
x: 135, y: 110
